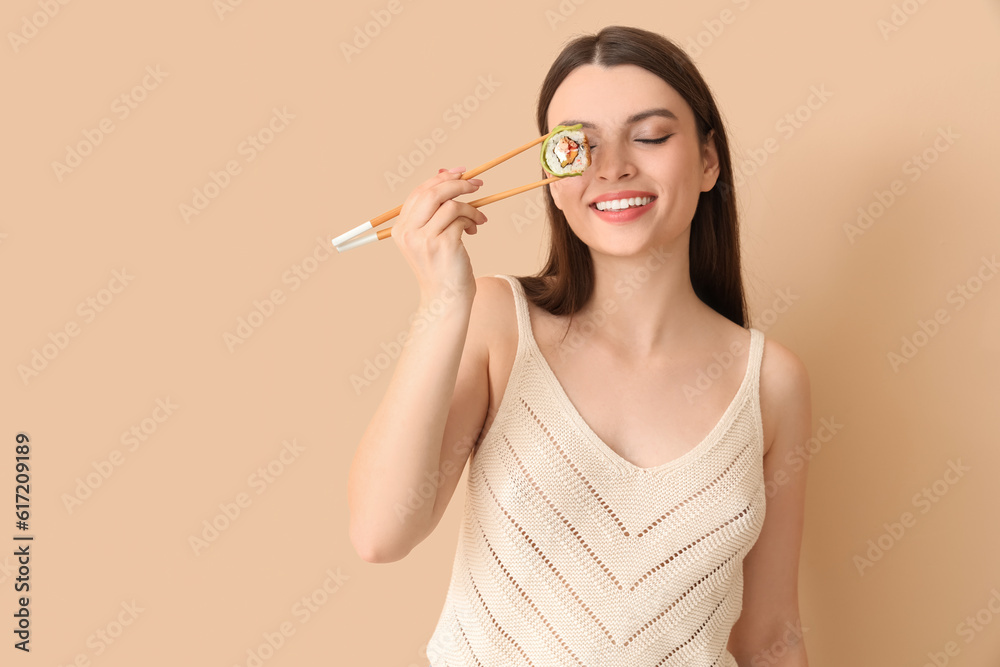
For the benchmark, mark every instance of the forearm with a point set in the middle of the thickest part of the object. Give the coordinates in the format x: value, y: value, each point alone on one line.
x: 400, y: 451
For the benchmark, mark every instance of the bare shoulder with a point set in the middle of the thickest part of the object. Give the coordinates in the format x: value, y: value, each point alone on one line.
x: 493, y: 306
x: 494, y: 290
x: 785, y: 398
x: 493, y: 321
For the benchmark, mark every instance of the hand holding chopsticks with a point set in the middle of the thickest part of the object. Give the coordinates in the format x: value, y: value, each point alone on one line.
x: 570, y: 151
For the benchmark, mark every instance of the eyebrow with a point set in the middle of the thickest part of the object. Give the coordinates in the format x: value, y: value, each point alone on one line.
x: 634, y: 118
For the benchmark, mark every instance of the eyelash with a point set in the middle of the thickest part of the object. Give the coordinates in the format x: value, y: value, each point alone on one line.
x: 655, y: 141
x: 644, y: 141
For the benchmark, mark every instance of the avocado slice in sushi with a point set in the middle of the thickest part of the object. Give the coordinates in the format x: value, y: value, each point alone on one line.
x: 565, y: 152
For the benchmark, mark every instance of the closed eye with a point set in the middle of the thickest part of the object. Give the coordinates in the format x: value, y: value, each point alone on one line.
x: 654, y: 141
x: 642, y: 141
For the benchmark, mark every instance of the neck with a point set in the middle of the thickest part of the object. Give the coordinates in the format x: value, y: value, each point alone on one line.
x: 643, y: 304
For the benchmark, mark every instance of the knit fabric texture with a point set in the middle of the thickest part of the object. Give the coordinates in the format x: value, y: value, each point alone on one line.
x: 569, y: 554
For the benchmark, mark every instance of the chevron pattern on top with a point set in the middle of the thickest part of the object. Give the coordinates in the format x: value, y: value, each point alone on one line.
x: 568, y: 554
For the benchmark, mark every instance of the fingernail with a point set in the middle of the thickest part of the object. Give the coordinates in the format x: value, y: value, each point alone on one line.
x: 476, y: 181
x: 442, y: 169
x: 457, y: 170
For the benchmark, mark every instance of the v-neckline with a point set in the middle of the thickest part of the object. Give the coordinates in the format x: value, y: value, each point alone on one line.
x: 721, y: 426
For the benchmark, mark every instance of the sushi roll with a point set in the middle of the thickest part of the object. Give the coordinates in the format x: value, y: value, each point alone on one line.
x: 565, y: 152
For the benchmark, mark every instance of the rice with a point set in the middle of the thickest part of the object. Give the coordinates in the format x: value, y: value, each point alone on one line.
x: 566, y: 152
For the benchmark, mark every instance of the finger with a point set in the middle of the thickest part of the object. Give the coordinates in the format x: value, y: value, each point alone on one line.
x: 453, y: 232
x: 432, y: 183
x: 426, y: 204
x: 441, y: 176
x: 450, y: 211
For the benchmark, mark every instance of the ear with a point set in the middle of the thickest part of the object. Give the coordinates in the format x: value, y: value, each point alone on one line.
x: 710, y: 163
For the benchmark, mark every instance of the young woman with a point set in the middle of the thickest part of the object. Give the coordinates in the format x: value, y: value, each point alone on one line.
x: 627, y: 431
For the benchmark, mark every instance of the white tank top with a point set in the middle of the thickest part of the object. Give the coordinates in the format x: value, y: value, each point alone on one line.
x: 568, y: 554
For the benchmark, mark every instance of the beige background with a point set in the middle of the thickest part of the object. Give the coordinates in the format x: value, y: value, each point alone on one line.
x: 162, y: 335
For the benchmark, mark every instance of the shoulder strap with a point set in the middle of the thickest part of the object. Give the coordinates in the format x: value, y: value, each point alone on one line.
x: 520, y: 305
x: 756, y: 357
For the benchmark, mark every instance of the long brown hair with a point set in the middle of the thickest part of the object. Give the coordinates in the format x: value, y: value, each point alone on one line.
x: 714, y: 252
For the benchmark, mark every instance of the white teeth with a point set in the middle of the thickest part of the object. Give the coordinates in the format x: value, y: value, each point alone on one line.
x: 619, y: 204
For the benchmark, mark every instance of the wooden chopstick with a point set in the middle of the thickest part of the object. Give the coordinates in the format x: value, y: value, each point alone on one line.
x: 362, y: 239
x: 389, y: 215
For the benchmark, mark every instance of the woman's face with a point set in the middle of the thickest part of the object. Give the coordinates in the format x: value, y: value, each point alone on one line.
x: 626, y: 112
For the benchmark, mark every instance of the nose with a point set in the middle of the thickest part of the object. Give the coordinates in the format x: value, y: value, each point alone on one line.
x: 611, y: 162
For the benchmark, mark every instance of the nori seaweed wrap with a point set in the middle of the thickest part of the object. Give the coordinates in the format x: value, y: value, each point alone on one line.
x: 566, y: 152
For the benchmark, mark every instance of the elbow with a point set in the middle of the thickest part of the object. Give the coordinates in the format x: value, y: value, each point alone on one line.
x: 373, y: 554
x: 373, y: 551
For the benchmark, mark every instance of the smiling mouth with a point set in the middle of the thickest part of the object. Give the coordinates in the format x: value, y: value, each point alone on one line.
x: 622, y: 204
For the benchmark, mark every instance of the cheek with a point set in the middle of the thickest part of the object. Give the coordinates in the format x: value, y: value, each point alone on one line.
x: 567, y: 191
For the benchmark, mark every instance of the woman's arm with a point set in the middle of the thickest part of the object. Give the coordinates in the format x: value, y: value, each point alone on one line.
x: 769, y: 630
x: 419, y: 439
x: 421, y: 434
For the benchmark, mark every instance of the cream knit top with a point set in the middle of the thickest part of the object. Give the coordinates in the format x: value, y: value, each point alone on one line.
x: 568, y: 554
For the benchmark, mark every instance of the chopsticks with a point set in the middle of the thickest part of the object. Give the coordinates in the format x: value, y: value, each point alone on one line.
x: 362, y: 239
x: 353, y: 238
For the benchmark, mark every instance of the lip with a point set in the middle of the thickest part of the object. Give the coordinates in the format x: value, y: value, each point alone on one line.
x: 623, y: 216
